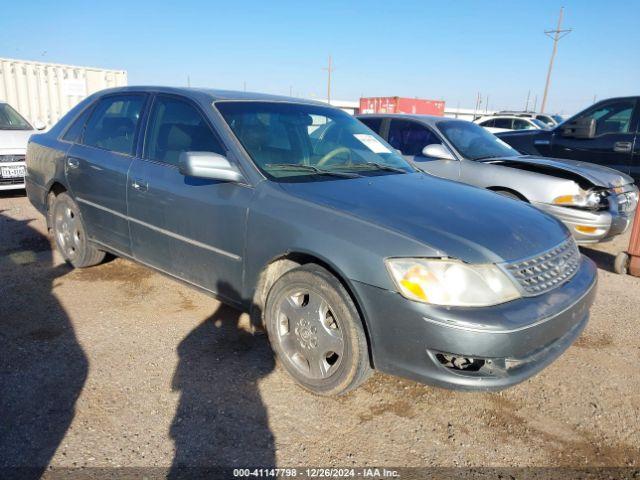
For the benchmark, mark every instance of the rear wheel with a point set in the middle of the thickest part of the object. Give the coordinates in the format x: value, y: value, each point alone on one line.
x: 70, y: 234
x: 316, y: 331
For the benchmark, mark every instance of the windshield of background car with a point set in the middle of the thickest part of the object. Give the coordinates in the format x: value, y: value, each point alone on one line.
x: 289, y: 140
x: 474, y: 142
x: 540, y: 123
x: 12, y: 120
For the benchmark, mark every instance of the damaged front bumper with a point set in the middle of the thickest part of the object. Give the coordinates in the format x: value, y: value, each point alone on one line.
x: 594, y: 226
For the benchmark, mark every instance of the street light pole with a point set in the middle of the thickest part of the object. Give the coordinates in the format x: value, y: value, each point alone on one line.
x: 557, y: 35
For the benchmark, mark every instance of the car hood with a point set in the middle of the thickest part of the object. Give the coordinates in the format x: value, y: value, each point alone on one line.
x: 598, y: 175
x: 15, y: 139
x: 468, y: 223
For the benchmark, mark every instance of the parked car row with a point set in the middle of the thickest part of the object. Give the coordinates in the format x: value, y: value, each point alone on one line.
x: 596, y: 203
x: 505, y: 123
x: 350, y: 256
x: 607, y: 133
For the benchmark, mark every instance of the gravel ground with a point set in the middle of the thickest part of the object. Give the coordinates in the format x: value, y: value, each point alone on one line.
x: 119, y: 366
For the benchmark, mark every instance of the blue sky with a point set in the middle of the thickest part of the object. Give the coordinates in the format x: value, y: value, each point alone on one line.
x: 417, y: 48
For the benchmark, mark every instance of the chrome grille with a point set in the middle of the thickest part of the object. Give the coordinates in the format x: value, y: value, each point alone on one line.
x: 544, y: 272
x: 11, y: 158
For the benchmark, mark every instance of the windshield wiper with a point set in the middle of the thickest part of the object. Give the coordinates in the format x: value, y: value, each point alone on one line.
x: 379, y: 166
x: 311, y: 168
x: 389, y: 168
x: 486, y: 157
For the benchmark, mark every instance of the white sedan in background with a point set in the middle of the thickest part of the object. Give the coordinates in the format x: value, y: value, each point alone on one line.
x: 14, y: 135
x: 505, y: 123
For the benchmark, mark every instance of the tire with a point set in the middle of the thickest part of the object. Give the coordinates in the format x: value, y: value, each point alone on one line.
x: 621, y: 263
x: 69, y: 234
x: 508, y: 194
x: 316, y: 331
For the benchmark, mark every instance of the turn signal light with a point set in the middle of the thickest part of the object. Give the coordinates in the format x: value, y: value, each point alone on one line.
x: 586, y: 229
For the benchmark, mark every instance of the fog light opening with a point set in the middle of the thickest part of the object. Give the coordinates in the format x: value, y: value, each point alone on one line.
x: 467, y: 364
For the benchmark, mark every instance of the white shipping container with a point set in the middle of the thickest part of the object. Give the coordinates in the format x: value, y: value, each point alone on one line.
x: 46, y: 91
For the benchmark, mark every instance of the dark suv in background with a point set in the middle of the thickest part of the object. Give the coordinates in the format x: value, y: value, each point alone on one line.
x: 605, y: 133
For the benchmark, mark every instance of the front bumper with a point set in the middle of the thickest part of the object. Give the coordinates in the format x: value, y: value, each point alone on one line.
x: 607, y: 223
x: 514, y: 340
x: 11, y: 183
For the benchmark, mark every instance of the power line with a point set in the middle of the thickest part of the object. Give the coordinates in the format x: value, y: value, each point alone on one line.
x: 558, y: 33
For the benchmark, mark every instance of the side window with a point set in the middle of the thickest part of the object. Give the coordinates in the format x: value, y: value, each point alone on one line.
x: 487, y: 123
x: 373, y: 123
x: 74, y: 132
x: 176, y: 126
x: 503, y: 123
x: 410, y: 137
x: 112, y: 125
x: 520, y: 124
x: 612, y: 117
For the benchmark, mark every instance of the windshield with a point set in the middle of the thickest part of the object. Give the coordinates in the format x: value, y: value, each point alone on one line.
x: 547, y: 121
x: 558, y: 119
x: 12, y: 120
x: 474, y: 142
x: 288, y: 140
x: 540, y: 123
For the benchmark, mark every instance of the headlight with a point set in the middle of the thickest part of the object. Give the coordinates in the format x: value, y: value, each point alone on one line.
x: 585, y: 199
x: 451, y: 282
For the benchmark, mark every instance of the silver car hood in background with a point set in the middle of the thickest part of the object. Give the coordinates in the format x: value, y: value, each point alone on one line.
x: 598, y: 175
x: 465, y: 222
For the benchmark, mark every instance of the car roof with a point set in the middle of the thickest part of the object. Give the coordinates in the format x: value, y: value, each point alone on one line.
x: 427, y: 119
x: 211, y: 94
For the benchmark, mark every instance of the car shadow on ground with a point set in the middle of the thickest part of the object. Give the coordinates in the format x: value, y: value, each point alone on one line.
x: 221, y: 420
x: 603, y: 260
x: 42, y: 365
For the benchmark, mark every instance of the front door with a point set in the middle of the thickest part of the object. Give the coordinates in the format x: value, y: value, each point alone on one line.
x: 188, y: 227
x: 97, y: 164
x: 410, y: 138
x: 612, y: 145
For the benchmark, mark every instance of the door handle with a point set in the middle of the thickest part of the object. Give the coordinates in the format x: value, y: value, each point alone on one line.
x: 622, y: 147
x: 73, y: 162
x: 139, y: 185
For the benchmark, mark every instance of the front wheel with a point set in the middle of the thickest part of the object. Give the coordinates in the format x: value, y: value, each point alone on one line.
x: 316, y: 331
x: 70, y: 234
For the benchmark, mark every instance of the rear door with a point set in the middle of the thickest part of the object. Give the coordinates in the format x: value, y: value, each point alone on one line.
x: 96, y: 167
x: 612, y: 145
x: 410, y: 137
x: 191, y: 228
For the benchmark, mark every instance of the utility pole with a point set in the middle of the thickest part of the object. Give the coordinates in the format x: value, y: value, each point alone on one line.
x: 476, y: 111
x: 329, y: 68
x: 558, y: 33
x: 526, y: 107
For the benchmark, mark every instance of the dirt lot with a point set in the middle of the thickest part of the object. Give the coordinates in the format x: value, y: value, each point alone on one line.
x: 119, y: 366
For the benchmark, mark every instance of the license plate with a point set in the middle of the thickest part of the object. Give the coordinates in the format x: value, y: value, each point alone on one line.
x: 12, y: 172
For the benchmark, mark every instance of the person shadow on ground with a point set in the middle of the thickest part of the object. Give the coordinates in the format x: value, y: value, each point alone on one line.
x: 221, y: 420
x: 42, y: 365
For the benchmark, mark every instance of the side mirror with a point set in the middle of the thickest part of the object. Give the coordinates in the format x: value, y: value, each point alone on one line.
x: 39, y: 125
x: 208, y: 165
x: 436, y: 150
x: 580, y: 128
